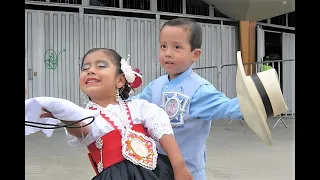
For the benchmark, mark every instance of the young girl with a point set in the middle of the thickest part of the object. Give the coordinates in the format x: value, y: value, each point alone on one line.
x: 119, y: 139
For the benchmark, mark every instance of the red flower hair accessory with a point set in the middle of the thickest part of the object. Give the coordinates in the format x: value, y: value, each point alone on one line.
x: 134, y: 77
x: 137, y: 81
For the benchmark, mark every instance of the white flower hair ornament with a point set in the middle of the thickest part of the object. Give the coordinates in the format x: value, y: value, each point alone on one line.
x: 133, y: 76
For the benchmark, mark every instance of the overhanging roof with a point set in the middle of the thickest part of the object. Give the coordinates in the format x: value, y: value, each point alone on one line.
x: 253, y: 10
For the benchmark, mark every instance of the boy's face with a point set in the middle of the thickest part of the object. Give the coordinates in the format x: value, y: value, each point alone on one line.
x: 175, y: 50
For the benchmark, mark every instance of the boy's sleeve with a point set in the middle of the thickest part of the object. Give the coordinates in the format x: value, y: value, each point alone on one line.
x: 146, y: 93
x: 210, y: 104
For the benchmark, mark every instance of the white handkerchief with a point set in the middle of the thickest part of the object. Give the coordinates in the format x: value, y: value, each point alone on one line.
x: 60, y: 108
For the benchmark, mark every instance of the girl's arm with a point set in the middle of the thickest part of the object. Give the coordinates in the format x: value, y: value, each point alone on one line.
x: 77, y: 132
x: 158, y: 124
x: 170, y: 146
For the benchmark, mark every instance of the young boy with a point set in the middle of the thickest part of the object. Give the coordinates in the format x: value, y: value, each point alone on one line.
x: 190, y: 101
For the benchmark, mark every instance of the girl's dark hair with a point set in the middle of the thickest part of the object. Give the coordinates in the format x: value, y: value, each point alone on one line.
x: 115, y: 58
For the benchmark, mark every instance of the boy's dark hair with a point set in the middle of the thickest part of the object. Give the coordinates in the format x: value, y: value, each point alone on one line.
x: 116, y: 59
x: 195, y: 39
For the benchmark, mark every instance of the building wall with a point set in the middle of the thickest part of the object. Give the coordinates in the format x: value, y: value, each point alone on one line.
x: 56, y: 42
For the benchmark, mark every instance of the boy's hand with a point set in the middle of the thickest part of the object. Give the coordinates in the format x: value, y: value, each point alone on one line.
x: 182, y: 173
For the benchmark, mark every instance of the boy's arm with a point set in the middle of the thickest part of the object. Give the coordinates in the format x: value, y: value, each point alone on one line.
x: 146, y: 93
x: 210, y: 104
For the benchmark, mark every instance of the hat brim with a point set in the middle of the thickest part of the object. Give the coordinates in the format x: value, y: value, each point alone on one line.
x: 254, y: 116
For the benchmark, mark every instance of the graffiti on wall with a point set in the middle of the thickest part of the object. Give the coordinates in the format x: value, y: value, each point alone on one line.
x: 51, y: 58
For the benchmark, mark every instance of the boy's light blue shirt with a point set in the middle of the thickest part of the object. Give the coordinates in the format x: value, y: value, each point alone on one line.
x: 207, y: 103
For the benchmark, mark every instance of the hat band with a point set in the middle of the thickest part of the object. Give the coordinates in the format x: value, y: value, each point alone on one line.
x: 263, y: 94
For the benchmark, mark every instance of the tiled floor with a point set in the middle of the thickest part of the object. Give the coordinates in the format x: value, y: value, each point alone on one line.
x: 234, y: 152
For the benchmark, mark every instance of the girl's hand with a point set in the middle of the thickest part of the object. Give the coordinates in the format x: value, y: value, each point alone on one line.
x: 182, y: 173
x: 47, y: 114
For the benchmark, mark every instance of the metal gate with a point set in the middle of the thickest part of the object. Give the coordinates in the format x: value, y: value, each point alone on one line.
x: 134, y: 36
x: 288, y: 51
x: 52, y: 54
x: 56, y: 42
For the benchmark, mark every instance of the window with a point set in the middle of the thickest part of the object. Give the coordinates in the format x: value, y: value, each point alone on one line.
x: 67, y: 1
x: 105, y: 3
x: 264, y: 21
x: 137, y: 4
x: 174, y: 6
x: 291, y: 19
x: 37, y: 0
x: 197, y: 8
x: 279, y: 20
x: 217, y: 13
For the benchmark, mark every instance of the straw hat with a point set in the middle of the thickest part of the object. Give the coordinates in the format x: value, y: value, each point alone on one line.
x: 260, y: 98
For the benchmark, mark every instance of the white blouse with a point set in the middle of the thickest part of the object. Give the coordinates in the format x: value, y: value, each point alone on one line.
x: 60, y: 108
x: 152, y: 117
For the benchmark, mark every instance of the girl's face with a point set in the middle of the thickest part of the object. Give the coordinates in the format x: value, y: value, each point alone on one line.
x: 98, y: 77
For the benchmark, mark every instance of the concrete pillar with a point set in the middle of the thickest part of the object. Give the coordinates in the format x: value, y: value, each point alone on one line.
x: 248, y: 44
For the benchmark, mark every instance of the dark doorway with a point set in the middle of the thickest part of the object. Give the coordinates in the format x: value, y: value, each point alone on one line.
x: 273, y: 51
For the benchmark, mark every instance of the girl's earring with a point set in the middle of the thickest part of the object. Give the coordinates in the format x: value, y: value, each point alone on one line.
x: 117, y: 93
x: 118, y: 96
